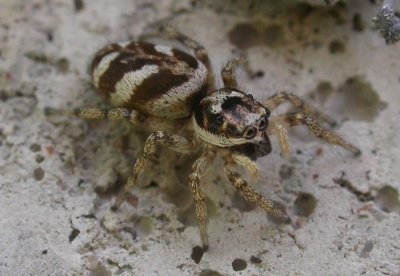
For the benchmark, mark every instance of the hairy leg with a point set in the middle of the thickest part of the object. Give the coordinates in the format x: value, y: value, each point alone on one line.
x: 292, y: 119
x: 174, y: 142
x: 198, y: 169
x: 244, y: 161
x: 115, y: 114
x: 275, y: 100
x: 93, y: 113
x: 228, y: 73
x: 277, y: 127
x: 250, y: 194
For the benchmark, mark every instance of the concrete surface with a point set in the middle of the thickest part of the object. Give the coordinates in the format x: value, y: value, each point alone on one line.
x: 59, y: 176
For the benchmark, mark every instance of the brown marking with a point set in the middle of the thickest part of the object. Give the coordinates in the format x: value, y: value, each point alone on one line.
x: 142, y: 49
x: 149, y: 49
x: 155, y: 86
x: 102, y: 53
x: 185, y: 57
x: 124, y: 63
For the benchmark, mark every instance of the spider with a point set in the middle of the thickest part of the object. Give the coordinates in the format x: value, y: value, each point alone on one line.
x: 173, y: 94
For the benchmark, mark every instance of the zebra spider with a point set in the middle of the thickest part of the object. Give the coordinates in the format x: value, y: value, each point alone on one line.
x: 173, y: 94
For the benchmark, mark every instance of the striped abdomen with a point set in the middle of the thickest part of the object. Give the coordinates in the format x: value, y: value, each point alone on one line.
x: 153, y: 79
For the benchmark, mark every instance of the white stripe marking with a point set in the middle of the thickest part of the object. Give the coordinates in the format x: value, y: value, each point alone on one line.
x: 126, y: 87
x: 176, y: 96
x: 102, y: 67
x: 164, y: 49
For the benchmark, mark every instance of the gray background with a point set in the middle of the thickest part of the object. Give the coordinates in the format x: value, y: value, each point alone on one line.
x: 59, y: 176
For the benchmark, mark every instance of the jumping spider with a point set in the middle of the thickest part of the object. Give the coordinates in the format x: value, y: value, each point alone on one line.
x: 174, y: 95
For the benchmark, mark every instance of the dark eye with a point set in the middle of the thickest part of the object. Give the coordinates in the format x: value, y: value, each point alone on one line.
x: 250, y: 96
x: 219, y: 119
x: 267, y: 112
x: 250, y: 133
x: 263, y: 123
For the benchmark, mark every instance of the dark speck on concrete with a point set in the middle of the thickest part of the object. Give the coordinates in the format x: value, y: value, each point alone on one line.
x: 239, y: 264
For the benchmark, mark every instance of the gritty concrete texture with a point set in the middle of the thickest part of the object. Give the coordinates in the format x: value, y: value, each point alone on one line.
x: 59, y: 175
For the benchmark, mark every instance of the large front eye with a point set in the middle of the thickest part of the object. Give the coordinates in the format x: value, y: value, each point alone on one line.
x: 219, y: 119
x: 263, y: 123
x: 250, y: 133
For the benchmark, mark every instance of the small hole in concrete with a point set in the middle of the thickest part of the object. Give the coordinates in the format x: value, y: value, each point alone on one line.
x: 358, y: 23
x: 323, y: 92
x: 62, y: 65
x: 35, y: 147
x: 388, y: 199
x: 285, y: 171
x: 74, y: 233
x: 356, y: 99
x: 39, y: 158
x: 259, y: 74
x: 197, y: 254
x: 239, y: 264
x: 100, y: 270
x: 210, y: 272
x: 244, y: 35
x: 367, y: 249
x: 143, y: 225
x: 305, y: 204
x: 255, y: 260
x: 336, y: 47
x: 79, y: 5
x: 38, y: 174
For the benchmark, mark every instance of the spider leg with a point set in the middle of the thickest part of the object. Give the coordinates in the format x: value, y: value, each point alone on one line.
x: 198, y: 169
x: 250, y: 194
x: 228, y: 73
x: 199, y: 50
x: 113, y: 114
x: 229, y: 70
x: 278, y: 128
x: 93, y: 113
x: 174, y: 142
x: 275, y: 100
x: 247, y: 163
x: 293, y: 119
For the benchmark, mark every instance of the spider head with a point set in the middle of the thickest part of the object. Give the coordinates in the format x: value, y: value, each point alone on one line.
x: 231, y: 118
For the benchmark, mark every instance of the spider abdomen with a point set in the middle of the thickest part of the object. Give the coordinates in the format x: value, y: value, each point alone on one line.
x: 154, y: 79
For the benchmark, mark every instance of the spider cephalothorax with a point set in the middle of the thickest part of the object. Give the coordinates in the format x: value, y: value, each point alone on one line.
x: 231, y: 118
x: 173, y: 94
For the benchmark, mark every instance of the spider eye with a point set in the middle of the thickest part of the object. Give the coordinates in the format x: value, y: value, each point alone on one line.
x: 267, y: 112
x: 250, y: 96
x: 250, y: 133
x: 219, y: 119
x: 263, y: 123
